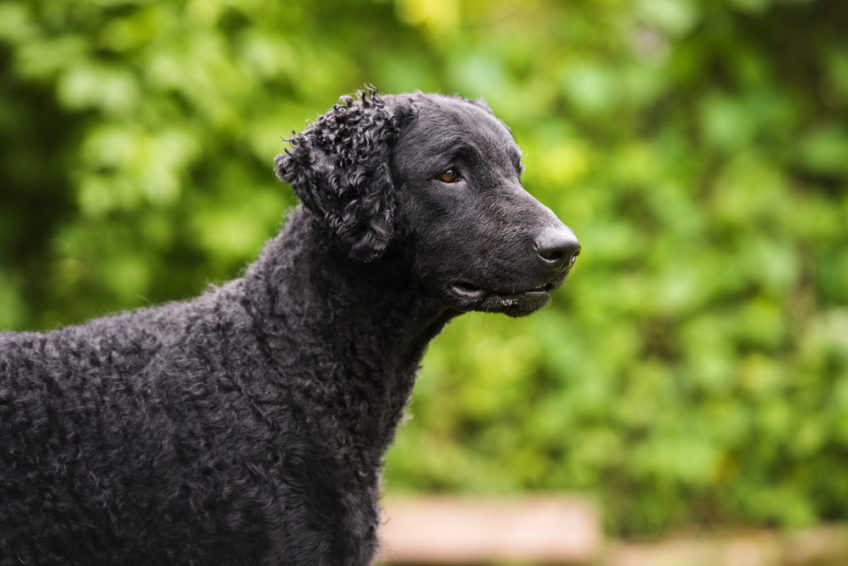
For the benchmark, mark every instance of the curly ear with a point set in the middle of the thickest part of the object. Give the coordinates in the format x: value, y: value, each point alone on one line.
x: 339, y: 168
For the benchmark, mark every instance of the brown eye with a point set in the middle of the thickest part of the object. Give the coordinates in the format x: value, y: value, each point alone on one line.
x: 449, y: 176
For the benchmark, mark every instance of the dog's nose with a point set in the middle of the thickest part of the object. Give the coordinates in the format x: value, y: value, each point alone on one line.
x: 558, y: 247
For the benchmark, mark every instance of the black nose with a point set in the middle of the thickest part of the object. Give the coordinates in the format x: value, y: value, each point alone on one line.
x: 558, y: 247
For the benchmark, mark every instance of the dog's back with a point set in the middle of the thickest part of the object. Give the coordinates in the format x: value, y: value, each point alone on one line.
x: 113, y: 435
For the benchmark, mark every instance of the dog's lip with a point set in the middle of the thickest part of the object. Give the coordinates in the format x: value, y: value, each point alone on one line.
x: 470, y: 292
x: 467, y: 291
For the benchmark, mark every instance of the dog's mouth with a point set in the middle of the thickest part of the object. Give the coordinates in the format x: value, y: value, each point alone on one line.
x: 512, y: 302
x: 469, y: 291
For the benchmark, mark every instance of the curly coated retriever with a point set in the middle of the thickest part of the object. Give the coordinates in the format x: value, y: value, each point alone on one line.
x: 248, y: 425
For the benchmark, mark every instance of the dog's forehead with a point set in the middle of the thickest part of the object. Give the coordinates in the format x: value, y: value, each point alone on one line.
x: 456, y: 117
x: 438, y: 117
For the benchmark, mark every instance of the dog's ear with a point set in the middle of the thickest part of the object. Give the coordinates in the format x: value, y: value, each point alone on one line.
x: 339, y: 167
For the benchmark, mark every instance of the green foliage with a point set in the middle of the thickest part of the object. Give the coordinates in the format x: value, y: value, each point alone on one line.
x: 694, y: 369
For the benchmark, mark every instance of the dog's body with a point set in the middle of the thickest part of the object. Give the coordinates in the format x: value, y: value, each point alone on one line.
x: 248, y: 426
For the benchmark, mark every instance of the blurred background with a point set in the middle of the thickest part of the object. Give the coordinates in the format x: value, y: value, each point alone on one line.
x: 693, y: 372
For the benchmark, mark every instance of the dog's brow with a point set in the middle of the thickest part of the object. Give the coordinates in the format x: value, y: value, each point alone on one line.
x: 458, y: 148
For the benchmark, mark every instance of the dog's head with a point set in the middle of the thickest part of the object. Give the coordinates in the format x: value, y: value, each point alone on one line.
x: 439, y: 175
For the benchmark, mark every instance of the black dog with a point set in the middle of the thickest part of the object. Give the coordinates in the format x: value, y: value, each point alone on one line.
x: 248, y: 426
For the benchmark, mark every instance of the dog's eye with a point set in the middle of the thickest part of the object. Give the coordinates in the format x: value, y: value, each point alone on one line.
x: 449, y: 176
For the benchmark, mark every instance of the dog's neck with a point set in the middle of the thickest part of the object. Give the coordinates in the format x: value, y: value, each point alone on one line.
x: 361, y: 328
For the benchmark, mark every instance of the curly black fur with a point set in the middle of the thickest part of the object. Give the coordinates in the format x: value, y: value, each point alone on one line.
x: 248, y: 425
x: 339, y: 167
